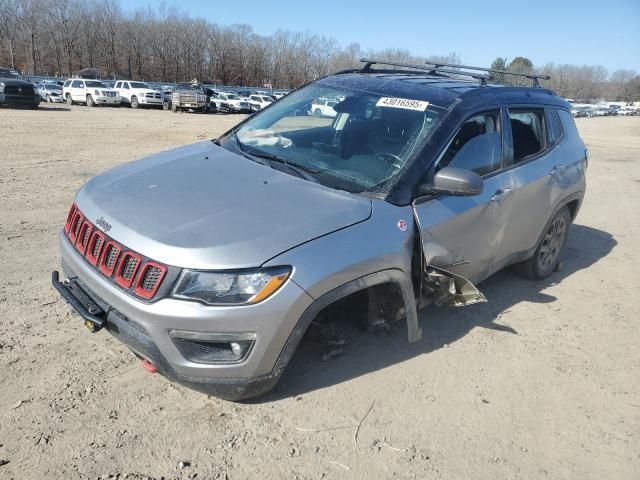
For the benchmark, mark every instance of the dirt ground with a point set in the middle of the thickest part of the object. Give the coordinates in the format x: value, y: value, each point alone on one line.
x: 541, y: 382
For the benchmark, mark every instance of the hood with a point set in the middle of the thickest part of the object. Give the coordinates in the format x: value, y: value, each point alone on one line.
x: 201, y: 206
x: 17, y: 82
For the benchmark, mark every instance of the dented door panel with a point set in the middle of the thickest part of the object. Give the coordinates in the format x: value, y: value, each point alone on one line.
x: 465, y: 235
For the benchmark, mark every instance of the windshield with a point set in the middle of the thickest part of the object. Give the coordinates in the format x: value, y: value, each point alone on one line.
x: 53, y: 87
x: 189, y: 86
x: 231, y: 96
x: 138, y: 85
x: 91, y: 84
x: 4, y: 73
x: 363, y: 140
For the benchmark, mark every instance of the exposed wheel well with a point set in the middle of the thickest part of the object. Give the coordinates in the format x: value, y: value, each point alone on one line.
x: 573, y: 208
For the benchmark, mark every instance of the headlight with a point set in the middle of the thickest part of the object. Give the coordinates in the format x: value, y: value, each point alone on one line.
x: 97, y: 92
x: 231, y: 288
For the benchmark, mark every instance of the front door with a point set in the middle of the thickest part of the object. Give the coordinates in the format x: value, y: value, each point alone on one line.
x: 465, y: 235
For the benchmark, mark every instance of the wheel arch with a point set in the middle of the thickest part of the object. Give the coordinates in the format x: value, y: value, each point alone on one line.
x: 392, y: 276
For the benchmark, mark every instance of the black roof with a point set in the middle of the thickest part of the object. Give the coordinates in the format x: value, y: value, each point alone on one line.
x: 441, y: 90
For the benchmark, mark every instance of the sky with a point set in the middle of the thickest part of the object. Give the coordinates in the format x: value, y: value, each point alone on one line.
x: 592, y: 32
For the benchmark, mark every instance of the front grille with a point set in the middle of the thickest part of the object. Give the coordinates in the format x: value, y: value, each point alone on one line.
x: 150, y: 279
x: 188, y: 98
x: 95, y: 251
x: 129, y: 268
x: 140, y: 276
x: 18, y: 90
x: 112, y: 256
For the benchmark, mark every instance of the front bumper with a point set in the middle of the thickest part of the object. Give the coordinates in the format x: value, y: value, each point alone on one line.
x: 102, y: 100
x: 151, y: 102
x: 56, y: 99
x: 20, y: 100
x: 145, y: 328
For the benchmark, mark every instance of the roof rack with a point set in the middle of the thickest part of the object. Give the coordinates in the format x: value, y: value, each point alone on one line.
x: 534, y: 78
x: 436, y: 69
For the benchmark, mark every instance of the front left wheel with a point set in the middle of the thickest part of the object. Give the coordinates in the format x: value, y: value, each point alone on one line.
x: 134, y: 102
x: 90, y: 101
x: 546, y: 257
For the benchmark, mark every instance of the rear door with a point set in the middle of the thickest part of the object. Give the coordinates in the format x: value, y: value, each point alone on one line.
x: 465, y: 235
x: 533, y: 161
x: 77, y: 91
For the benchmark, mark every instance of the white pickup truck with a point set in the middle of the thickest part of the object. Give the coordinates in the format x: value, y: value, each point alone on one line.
x: 138, y: 94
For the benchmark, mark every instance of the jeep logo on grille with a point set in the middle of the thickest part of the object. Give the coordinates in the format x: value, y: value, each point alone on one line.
x: 102, y: 223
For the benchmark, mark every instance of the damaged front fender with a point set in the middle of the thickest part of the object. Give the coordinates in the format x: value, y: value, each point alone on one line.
x: 446, y: 288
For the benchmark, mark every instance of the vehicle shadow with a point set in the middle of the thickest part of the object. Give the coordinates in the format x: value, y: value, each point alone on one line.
x: 366, y: 352
x: 47, y: 108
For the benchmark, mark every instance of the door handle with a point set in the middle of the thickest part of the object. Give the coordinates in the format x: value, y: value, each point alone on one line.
x: 500, y: 194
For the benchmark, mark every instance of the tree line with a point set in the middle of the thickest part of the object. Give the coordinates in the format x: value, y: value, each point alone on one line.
x: 61, y: 37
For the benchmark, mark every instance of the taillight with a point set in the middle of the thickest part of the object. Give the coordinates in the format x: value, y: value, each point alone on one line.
x: 149, y: 279
x: 109, y: 257
x: 127, y: 269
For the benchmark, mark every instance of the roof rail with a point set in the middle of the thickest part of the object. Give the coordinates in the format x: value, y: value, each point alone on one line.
x: 534, y: 78
x: 434, y: 70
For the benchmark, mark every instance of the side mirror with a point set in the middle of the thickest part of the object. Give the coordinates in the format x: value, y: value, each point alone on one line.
x: 456, y: 182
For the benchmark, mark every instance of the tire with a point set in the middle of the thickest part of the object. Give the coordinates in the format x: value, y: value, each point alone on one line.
x: 69, y: 100
x: 165, y: 106
x: 134, y: 102
x: 90, y: 102
x: 545, y: 259
x: 317, y: 112
x: 174, y: 108
x: 48, y: 98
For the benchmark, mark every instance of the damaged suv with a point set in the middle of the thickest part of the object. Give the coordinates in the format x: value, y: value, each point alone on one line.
x: 211, y: 261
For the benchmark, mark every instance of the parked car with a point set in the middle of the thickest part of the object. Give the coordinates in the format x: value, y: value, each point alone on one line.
x: 229, y: 102
x: 17, y: 92
x: 259, y: 102
x: 189, y: 96
x: 279, y: 95
x: 212, y: 260
x: 324, y: 108
x: 50, y: 92
x: 90, y: 92
x: 138, y: 94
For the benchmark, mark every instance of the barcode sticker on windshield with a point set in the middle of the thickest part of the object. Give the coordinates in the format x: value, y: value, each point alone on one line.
x: 405, y: 103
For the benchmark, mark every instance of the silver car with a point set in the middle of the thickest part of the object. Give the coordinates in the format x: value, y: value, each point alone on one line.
x: 212, y: 260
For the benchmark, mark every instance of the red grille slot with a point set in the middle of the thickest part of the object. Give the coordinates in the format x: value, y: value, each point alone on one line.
x: 72, y: 212
x: 109, y: 257
x: 127, y: 269
x: 95, y: 247
x: 76, y: 223
x: 150, y: 279
x: 83, y: 236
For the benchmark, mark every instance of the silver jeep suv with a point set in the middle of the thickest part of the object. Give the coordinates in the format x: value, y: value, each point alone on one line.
x: 211, y: 261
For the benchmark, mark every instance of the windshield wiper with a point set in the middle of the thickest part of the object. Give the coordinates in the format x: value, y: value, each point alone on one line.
x: 305, y: 172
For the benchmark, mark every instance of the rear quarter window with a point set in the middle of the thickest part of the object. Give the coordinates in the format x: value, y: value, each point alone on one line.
x: 555, y: 131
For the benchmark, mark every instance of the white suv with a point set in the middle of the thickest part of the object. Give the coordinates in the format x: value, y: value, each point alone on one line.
x: 138, y: 94
x: 88, y: 91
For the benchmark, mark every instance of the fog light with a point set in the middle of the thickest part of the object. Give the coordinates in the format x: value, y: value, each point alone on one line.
x: 240, y: 348
x: 213, y: 348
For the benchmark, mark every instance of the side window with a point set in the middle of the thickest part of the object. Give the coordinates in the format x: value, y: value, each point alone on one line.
x: 117, y: 85
x: 477, y: 146
x: 75, y: 84
x: 528, y: 132
x: 555, y: 126
x: 125, y: 85
x: 67, y: 83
